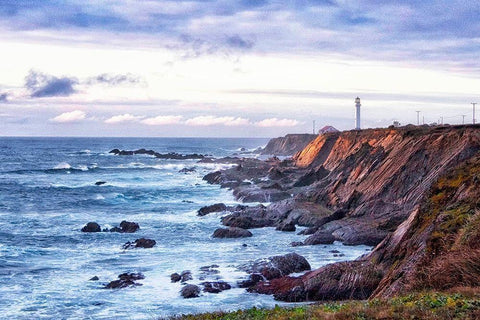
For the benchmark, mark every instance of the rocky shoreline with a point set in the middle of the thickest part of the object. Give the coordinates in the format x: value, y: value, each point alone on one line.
x: 355, y: 187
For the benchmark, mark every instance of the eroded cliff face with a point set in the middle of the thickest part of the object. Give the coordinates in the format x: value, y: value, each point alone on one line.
x: 437, y: 247
x: 288, y: 145
x: 431, y: 181
x: 379, y: 176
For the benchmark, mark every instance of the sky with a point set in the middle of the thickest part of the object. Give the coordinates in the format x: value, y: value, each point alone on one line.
x: 245, y: 68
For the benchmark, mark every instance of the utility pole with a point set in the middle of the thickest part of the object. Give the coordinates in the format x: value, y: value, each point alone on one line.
x: 473, y: 104
x: 423, y: 119
x: 441, y: 120
x: 418, y: 117
x: 463, y: 119
x: 313, y: 126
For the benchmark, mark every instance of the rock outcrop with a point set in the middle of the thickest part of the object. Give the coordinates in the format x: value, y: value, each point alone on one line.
x: 169, y: 156
x: 125, y: 280
x: 435, y: 248
x: 288, y: 145
x: 231, y: 232
x: 91, y: 227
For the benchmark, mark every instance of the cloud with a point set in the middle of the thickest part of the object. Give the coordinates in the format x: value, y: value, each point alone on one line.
x: 43, y: 85
x: 212, y: 120
x: 3, y: 97
x: 74, y: 116
x: 274, y: 122
x: 115, y: 79
x: 162, y: 120
x: 444, y: 32
x: 238, y: 42
x: 123, y: 118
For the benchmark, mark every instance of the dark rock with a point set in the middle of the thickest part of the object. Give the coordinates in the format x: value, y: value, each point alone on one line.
x: 308, y: 231
x: 331, y: 282
x: 94, y: 278
x: 140, y: 243
x: 244, y: 245
x: 218, y: 207
x: 213, y: 177
x: 244, y: 222
x: 278, y: 266
x: 255, y: 194
x: 289, y: 227
x: 125, y: 280
x: 297, y: 244
x: 275, y: 174
x: 251, y: 281
x: 129, y: 227
x: 334, y: 251
x: 190, y: 291
x: 175, y: 277
x: 215, y: 287
x: 91, y: 227
x: 171, y: 155
x: 114, y: 229
x: 275, y: 185
x: 320, y: 237
x: 187, y: 170
x: 186, y: 275
x: 231, y: 233
x: 99, y: 183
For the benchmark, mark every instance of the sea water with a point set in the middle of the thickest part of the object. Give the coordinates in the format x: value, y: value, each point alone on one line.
x: 48, y: 193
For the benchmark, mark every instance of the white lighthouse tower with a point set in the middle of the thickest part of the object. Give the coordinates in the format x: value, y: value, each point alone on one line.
x: 357, y: 113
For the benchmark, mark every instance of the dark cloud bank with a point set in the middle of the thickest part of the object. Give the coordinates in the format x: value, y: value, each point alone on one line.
x: 43, y: 85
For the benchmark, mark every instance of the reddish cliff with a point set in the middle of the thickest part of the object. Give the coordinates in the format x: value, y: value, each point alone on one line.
x: 380, y: 175
x: 420, y: 186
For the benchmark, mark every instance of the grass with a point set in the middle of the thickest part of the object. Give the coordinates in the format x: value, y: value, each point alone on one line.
x: 430, y: 305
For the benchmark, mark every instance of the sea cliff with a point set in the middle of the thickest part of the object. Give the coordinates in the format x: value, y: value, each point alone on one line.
x: 412, y: 192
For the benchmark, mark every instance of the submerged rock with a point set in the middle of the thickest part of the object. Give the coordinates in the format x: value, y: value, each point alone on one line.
x: 218, y: 207
x: 186, y: 275
x: 251, y: 281
x: 91, y: 227
x: 188, y: 170
x: 190, y: 291
x: 175, y: 277
x: 140, y: 243
x: 94, y: 278
x: 215, y: 287
x: 99, y: 183
x: 231, y: 233
x: 125, y: 280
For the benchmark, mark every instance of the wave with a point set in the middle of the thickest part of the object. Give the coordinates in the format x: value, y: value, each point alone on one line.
x: 67, y: 168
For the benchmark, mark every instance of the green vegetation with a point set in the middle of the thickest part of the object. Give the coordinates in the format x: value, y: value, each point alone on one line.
x: 413, y: 306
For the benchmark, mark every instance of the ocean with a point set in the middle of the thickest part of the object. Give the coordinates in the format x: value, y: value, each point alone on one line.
x: 48, y: 193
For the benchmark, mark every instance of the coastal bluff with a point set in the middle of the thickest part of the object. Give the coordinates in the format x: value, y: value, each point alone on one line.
x: 288, y: 145
x: 411, y: 191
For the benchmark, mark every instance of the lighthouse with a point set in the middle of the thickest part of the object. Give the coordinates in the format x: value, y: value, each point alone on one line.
x: 357, y: 113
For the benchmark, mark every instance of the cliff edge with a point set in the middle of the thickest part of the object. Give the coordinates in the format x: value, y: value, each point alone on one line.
x: 288, y: 145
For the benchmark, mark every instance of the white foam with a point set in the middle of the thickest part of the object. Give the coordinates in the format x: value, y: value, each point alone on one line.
x: 62, y: 166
